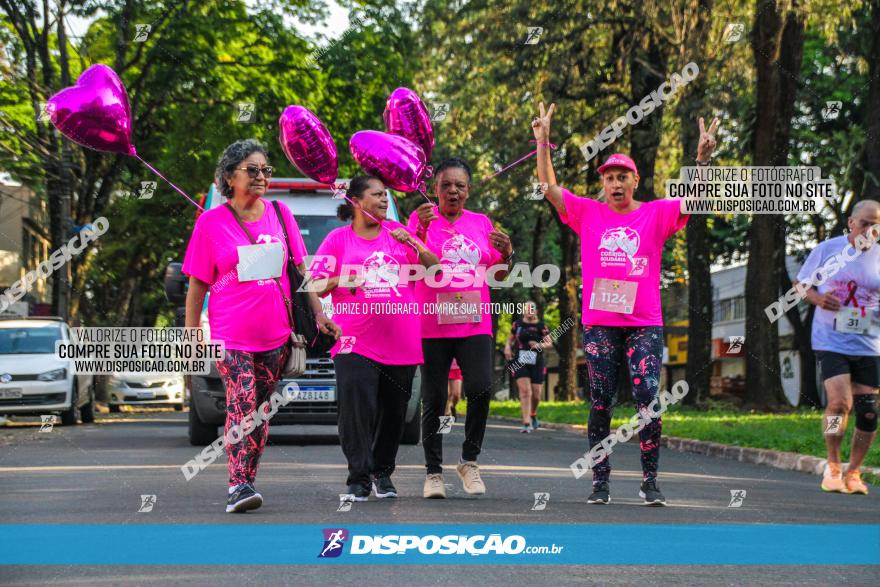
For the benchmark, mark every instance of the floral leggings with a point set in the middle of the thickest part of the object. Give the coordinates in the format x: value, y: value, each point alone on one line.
x: 250, y: 379
x: 604, y: 347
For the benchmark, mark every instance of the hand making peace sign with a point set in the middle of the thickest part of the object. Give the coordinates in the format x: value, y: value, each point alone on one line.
x: 707, y: 139
x: 541, y: 123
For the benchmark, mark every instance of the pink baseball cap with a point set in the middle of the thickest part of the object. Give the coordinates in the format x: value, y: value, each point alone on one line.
x: 619, y: 160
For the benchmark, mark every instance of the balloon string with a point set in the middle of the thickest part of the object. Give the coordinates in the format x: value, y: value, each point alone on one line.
x: 424, y: 194
x: 180, y: 191
x: 379, y: 222
x: 517, y: 162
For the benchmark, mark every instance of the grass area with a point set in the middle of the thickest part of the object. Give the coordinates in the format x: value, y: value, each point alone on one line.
x: 799, y: 431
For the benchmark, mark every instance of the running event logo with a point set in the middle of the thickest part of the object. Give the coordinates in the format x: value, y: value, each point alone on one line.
x: 381, y: 275
x: 461, y: 252
x: 619, y: 245
x: 334, y: 540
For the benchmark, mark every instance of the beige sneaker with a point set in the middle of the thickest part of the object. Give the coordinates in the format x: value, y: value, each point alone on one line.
x: 469, y: 473
x: 434, y: 488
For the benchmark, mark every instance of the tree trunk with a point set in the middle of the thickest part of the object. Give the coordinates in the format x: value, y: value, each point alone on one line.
x: 568, y: 307
x: 871, y: 162
x: 698, y: 369
x: 777, y: 43
x: 648, y: 62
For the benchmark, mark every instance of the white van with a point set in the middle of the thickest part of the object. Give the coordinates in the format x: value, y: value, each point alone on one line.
x: 313, y: 206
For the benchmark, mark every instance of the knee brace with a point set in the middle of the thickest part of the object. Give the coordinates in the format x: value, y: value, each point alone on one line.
x: 865, y: 407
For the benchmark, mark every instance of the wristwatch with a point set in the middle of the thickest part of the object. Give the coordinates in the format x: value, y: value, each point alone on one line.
x: 509, y: 257
x: 702, y: 163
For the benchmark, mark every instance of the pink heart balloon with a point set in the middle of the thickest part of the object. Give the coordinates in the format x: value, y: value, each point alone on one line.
x: 406, y: 115
x: 396, y: 160
x: 95, y: 112
x: 308, y: 144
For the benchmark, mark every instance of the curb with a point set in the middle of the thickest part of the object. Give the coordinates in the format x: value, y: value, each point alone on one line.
x: 788, y: 461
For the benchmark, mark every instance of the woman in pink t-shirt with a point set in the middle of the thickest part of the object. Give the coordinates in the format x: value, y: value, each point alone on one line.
x: 246, y: 309
x: 621, y: 249
x: 370, y: 271
x: 460, y: 328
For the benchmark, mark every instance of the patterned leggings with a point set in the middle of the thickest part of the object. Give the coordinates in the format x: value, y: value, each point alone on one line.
x: 249, y: 379
x: 604, y: 347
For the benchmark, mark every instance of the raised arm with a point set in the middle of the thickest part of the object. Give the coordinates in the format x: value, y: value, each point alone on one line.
x: 546, y: 175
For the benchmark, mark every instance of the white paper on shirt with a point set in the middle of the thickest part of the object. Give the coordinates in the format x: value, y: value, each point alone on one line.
x: 528, y: 357
x: 851, y: 320
x: 256, y: 262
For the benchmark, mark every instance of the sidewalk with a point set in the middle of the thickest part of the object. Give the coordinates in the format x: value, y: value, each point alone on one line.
x: 788, y: 461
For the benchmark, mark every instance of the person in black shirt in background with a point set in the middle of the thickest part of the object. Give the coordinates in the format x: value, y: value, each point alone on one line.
x: 528, y: 338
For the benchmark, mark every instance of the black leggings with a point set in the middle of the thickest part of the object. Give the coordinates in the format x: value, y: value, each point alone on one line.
x: 605, y: 348
x: 372, y: 400
x: 474, y: 356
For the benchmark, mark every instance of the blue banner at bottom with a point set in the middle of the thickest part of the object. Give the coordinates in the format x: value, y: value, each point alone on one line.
x: 290, y: 544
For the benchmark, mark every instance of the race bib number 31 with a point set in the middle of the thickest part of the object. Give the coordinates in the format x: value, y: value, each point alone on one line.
x: 613, y: 295
x: 851, y: 320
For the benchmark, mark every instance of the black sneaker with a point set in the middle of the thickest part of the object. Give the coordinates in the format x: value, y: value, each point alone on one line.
x: 601, y: 494
x: 649, y: 492
x: 244, y: 498
x: 383, y: 487
x: 535, y: 423
x: 360, y: 492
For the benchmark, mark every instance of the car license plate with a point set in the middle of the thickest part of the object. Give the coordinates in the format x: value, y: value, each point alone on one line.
x: 11, y: 393
x: 314, y: 394
x: 146, y: 395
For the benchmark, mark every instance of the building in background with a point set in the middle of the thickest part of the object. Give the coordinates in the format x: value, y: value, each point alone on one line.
x: 24, y: 243
x: 729, y: 339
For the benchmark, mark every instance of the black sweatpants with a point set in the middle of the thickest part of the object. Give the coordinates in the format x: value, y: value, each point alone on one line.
x: 372, y: 400
x: 474, y: 356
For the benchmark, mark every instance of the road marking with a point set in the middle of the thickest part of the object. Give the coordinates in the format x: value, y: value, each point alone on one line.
x: 565, y: 471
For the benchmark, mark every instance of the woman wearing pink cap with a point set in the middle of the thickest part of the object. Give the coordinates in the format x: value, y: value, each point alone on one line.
x: 621, y: 248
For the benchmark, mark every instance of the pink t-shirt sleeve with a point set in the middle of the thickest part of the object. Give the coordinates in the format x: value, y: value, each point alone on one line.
x: 326, y: 260
x: 413, y: 222
x: 575, y: 207
x: 412, y: 255
x: 199, y: 261
x: 296, y: 240
x: 671, y: 218
x: 495, y: 256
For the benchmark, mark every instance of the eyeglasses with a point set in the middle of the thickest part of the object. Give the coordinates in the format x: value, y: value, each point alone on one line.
x: 253, y: 171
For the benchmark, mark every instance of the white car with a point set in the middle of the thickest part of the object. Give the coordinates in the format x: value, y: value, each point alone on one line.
x: 33, y: 380
x: 136, y: 389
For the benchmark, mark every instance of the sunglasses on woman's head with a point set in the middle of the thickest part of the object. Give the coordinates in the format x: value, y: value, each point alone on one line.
x: 253, y: 171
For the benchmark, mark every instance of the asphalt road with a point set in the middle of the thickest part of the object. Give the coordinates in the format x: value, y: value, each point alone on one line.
x: 96, y: 474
